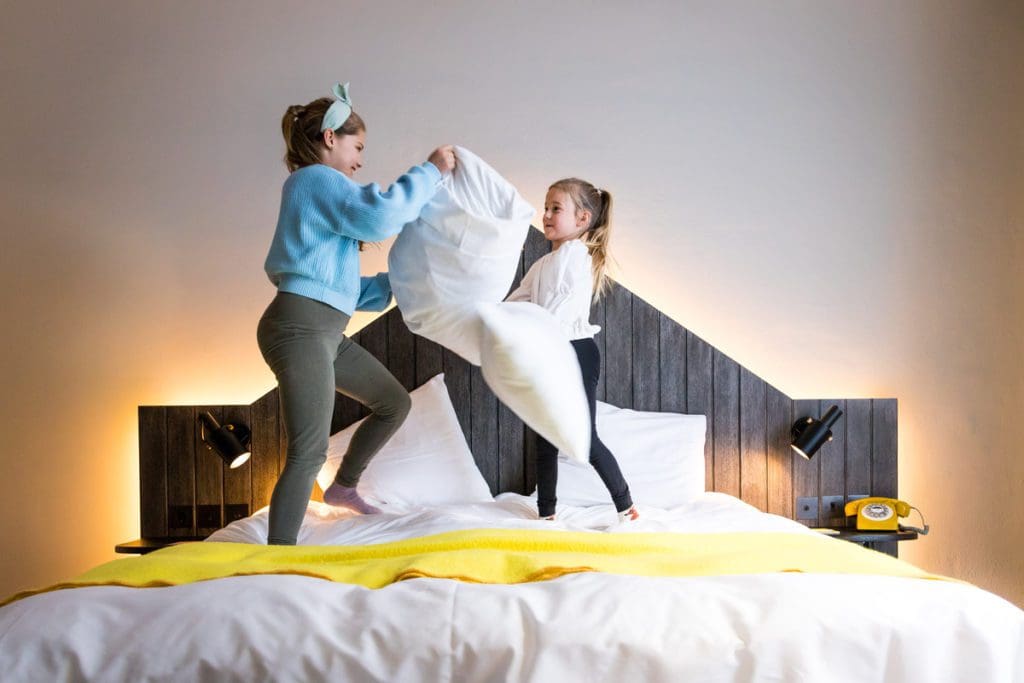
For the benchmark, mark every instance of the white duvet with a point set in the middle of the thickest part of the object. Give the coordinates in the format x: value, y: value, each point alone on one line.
x: 581, y: 627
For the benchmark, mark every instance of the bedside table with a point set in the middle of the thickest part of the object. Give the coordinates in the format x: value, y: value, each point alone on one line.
x: 882, y: 541
x: 141, y: 546
x: 854, y: 535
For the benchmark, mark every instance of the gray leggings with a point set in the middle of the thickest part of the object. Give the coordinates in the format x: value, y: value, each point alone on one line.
x: 303, y: 342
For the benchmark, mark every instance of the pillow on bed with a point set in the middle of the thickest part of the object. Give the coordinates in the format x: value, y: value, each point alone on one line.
x: 661, y: 456
x: 426, y: 462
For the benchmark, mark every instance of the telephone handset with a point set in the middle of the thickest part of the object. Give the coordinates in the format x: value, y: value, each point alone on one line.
x: 875, y: 514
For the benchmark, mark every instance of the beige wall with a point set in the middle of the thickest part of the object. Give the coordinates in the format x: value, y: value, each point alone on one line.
x: 829, y: 192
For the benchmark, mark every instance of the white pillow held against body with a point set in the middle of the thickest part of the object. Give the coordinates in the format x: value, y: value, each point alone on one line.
x: 661, y: 456
x: 426, y: 462
x: 529, y: 364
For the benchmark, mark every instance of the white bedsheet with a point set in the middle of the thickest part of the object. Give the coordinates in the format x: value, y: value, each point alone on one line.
x: 581, y: 627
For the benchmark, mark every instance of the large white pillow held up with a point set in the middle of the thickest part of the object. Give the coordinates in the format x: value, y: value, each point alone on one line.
x: 463, y: 249
x: 529, y: 364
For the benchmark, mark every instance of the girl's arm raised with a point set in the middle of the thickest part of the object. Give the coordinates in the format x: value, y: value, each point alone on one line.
x: 366, y: 213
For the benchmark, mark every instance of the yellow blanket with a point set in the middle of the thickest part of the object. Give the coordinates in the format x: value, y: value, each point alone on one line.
x: 499, y: 556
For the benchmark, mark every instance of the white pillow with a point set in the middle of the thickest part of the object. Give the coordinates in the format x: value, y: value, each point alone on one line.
x: 426, y: 462
x: 661, y: 455
x: 463, y: 249
x: 529, y: 364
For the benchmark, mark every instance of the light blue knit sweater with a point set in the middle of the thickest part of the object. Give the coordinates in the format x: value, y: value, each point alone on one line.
x: 324, y: 214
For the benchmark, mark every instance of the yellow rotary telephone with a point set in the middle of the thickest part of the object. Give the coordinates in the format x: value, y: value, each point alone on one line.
x: 881, y: 514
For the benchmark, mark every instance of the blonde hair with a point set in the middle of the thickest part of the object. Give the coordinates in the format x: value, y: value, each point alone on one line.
x: 302, y: 136
x: 596, y: 235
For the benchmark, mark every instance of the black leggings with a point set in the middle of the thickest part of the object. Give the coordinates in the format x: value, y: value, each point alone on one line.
x: 600, y: 457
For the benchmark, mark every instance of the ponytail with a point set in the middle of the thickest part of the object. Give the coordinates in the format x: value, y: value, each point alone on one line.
x: 597, y: 235
x: 301, y: 130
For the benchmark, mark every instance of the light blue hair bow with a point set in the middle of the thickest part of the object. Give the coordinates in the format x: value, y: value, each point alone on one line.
x: 339, y: 110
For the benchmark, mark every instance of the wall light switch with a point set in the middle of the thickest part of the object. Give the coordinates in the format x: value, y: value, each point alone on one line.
x: 832, y: 509
x: 807, y: 508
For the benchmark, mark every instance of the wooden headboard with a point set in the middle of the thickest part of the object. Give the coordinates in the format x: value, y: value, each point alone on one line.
x: 649, y: 362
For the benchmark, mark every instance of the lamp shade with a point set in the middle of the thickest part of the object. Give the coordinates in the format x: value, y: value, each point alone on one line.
x: 809, y: 434
x: 229, y: 441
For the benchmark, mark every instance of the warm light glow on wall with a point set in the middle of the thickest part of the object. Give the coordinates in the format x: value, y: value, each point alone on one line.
x: 232, y: 383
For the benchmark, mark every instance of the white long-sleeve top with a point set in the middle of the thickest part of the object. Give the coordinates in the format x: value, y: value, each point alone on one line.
x: 561, y: 282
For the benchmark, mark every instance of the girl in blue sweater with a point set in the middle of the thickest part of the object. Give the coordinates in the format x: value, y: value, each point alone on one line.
x: 314, y: 262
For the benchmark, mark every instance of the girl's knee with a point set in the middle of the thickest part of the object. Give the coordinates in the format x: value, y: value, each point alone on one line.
x: 396, y: 407
x: 307, y: 459
x: 404, y: 405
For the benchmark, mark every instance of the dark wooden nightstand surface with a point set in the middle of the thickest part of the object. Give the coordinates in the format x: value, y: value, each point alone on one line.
x: 141, y: 546
x: 854, y: 535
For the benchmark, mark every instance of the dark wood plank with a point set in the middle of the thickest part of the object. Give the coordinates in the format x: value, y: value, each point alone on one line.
x: 597, y: 309
x: 805, y: 472
x: 209, y: 478
x: 511, y: 457
x: 484, y: 428
x: 429, y: 361
x: 780, y: 454
x: 153, y: 471
x: 181, y: 467
x: 884, y: 480
x: 456, y: 377
x: 374, y: 338
x: 237, y: 481
x: 727, y: 424
x: 645, y: 349
x: 753, y: 440
x: 265, y: 447
x: 832, y: 455
x: 530, y: 458
x: 401, y: 350
x: 619, y: 347
x: 858, y: 447
x: 700, y: 396
x: 672, y: 361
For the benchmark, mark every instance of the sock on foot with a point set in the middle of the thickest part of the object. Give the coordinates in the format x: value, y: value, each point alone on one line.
x: 347, y: 497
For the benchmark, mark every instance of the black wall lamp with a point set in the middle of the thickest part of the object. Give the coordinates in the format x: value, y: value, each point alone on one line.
x: 809, y: 434
x: 230, y: 441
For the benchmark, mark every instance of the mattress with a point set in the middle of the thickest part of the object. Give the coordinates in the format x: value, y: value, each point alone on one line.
x: 586, y: 626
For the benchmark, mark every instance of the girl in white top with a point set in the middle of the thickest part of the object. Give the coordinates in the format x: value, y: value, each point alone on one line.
x: 577, y: 221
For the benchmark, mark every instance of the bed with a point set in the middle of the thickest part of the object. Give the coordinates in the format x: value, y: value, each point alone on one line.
x: 459, y: 581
